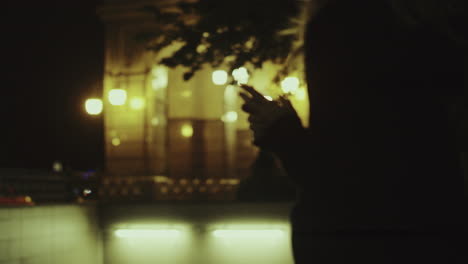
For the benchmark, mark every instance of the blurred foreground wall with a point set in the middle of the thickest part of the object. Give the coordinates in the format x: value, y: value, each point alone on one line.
x: 183, y: 233
x: 52, y: 234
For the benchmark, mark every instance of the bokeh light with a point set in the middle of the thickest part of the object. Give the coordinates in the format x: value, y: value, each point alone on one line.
x: 230, y: 94
x: 57, y: 166
x: 116, y: 142
x: 202, y: 48
x: 290, y: 85
x: 155, y: 121
x: 230, y: 117
x: 137, y: 103
x: 28, y: 199
x: 241, y: 75
x: 219, y: 77
x: 186, y: 130
x: 117, y: 96
x: 93, y: 106
x: 186, y: 93
x: 160, y: 78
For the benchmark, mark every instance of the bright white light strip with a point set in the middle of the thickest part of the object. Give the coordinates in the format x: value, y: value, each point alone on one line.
x: 260, y: 233
x: 155, y: 233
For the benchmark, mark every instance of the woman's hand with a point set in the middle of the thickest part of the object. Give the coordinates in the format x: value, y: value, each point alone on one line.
x: 263, y: 112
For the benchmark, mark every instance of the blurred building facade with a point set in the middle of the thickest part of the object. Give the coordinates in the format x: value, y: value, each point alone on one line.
x: 169, y: 139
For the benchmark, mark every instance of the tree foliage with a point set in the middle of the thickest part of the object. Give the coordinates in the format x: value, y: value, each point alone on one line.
x: 225, y: 33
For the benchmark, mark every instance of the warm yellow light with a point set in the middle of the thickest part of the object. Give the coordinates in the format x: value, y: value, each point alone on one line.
x: 183, y: 181
x: 57, y: 166
x: 230, y: 93
x: 160, y: 78
x: 269, y: 98
x: 219, y: 77
x: 186, y: 94
x: 160, y: 179
x: 117, y: 96
x: 241, y: 75
x: 186, y: 130
x: 153, y: 233
x: 233, y: 181
x: 202, y: 48
x: 301, y: 94
x: 28, y: 199
x: 230, y: 117
x: 155, y: 121
x: 93, y: 106
x: 116, y: 142
x: 290, y: 85
x: 249, y: 44
x: 247, y: 233
x: 137, y: 103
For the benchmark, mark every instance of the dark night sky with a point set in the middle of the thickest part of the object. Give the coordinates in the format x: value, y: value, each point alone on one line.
x: 52, y: 61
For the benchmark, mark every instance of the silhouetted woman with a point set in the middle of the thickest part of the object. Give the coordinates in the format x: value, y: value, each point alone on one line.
x: 377, y: 170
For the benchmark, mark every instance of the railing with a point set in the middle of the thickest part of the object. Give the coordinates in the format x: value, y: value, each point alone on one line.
x: 28, y: 187
x: 162, y: 188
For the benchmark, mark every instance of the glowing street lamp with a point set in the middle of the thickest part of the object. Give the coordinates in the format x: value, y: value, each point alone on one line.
x: 219, y: 77
x: 93, y: 106
x: 117, y: 96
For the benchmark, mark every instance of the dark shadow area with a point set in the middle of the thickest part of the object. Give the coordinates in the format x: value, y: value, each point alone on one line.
x: 267, y: 182
x: 52, y: 61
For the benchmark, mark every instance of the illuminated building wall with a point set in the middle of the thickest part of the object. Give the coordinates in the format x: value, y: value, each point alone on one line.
x: 156, y: 124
